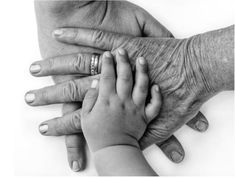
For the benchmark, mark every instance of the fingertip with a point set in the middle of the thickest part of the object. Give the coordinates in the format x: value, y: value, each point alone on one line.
x: 77, y: 166
x: 173, y: 149
x: 57, y: 33
x: 153, y: 108
x: 141, y: 60
x: 199, y: 123
x: 35, y: 68
x: 107, y: 58
x: 29, y: 97
x: 121, y: 51
x: 141, y: 65
x: 107, y: 54
x: 43, y: 128
x: 201, y: 126
x: 156, y: 88
x: 156, y: 95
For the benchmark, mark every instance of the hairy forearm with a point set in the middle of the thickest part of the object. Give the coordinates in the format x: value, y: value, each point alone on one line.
x: 122, y: 160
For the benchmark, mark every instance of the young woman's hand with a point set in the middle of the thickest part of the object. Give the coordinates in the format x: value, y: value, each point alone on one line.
x: 115, y: 110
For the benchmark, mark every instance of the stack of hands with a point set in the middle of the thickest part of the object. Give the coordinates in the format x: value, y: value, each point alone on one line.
x: 116, y: 103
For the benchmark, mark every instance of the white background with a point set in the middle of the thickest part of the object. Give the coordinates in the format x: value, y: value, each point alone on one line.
x: 210, y: 153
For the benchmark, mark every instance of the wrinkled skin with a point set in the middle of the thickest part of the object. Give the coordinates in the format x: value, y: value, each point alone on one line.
x: 174, y: 65
x: 122, y: 17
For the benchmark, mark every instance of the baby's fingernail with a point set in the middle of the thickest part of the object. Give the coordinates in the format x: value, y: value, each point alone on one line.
x: 201, y: 126
x: 43, y: 128
x: 29, y: 97
x: 107, y: 54
x: 142, y: 61
x: 94, y: 83
x: 157, y: 88
x: 58, y: 32
x: 176, y: 156
x: 75, y: 166
x: 35, y: 68
x: 121, y: 51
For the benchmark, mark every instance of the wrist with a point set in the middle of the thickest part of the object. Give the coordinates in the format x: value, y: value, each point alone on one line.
x: 98, y: 142
x: 121, y: 160
x: 212, y: 57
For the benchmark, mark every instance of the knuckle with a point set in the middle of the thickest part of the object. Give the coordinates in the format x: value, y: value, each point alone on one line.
x: 159, y: 134
x: 50, y: 63
x: 59, y: 127
x: 97, y: 37
x: 43, y: 97
x: 127, y: 77
x: 76, y: 122
x: 107, y: 77
x: 71, y: 91
x: 79, y: 63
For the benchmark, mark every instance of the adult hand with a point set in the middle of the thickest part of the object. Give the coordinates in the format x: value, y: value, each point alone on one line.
x: 116, y: 16
x: 167, y: 59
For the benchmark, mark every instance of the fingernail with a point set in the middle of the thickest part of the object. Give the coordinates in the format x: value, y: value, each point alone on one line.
x: 35, y: 68
x: 29, y: 97
x: 121, y: 51
x: 176, y: 156
x: 201, y: 126
x: 75, y: 166
x: 94, y: 83
x: 58, y: 32
x: 43, y: 128
x: 157, y: 88
x: 142, y: 61
x: 107, y: 54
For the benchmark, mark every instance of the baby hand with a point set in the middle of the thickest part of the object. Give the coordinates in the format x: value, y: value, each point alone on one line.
x: 115, y: 112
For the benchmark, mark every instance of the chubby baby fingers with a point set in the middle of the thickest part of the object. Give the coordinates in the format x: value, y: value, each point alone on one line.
x: 140, y: 90
x: 152, y: 109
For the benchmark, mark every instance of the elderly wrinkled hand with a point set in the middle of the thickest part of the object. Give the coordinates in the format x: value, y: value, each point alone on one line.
x: 166, y: 59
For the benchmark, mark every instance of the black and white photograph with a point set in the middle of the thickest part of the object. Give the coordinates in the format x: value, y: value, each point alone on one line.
x: 118, y: 88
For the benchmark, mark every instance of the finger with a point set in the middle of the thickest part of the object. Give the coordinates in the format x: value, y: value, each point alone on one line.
x: 198, y: 123
x: 153, y: 108
x: 90, y: 37
x: 67, y: 124
x: 76, y: 152
x: 107, y: 77
x: 90, y: 98
x: 70, y: 91
x: 140, y: 89
x: 124, y: 74
x: 172, y: 149
x: 75, y: 144
x: 63, y: 65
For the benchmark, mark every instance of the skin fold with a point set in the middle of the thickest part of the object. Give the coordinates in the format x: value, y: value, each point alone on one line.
x: 116, y: 16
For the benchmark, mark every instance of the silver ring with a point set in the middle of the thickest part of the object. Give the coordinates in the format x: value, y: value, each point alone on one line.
x: 94, y: 64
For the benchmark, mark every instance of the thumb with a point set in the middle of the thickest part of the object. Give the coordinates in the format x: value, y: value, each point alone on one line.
x: 90, y: 98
